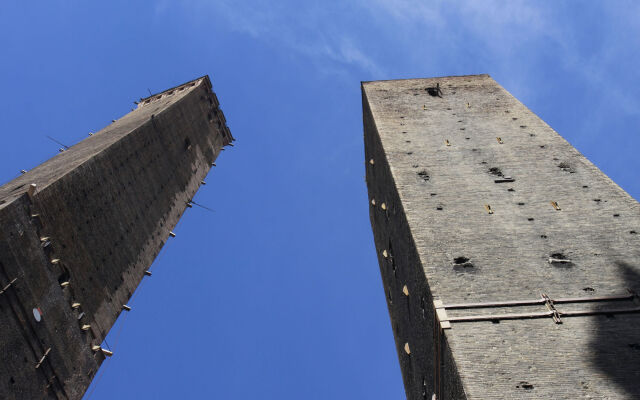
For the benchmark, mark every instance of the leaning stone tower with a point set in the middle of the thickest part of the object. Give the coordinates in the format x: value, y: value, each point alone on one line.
x: 510, y: 263
x: 80, y: 232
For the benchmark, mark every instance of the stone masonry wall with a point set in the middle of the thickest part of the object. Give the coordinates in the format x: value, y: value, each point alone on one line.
x: 80, y: 245
x: 476, y: 200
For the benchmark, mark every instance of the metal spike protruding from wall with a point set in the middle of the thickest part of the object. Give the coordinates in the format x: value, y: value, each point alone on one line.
x: 106, y: 352
x: 46, y: 353
x: 4, y: 289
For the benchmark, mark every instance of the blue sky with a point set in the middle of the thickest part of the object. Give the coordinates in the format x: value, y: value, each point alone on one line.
x: 277, y: 294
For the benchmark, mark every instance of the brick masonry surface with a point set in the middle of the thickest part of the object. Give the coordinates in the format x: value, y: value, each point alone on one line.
x: 436, y: 164
x: 75, y: 249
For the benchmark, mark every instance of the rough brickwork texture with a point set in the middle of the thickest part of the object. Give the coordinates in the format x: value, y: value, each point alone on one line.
x: 432, y: 161
x: 100, y: 213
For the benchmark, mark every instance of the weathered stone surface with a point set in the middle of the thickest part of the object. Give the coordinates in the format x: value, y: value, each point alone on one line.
x: 100, y: 213
x: 433, y: 161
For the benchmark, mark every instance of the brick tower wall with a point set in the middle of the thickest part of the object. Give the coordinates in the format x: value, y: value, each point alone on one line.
x: 100, y: 213
x: 461, y: 183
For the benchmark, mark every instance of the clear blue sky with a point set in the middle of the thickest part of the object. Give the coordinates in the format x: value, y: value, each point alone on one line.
x: 277, y: 294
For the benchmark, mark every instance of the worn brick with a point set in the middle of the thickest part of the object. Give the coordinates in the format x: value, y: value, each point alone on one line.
x: 435, y: 162
x: 106, y: 207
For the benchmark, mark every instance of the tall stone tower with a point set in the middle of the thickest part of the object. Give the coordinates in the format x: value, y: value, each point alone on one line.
x: 80, y: 231
x: 510, y: 263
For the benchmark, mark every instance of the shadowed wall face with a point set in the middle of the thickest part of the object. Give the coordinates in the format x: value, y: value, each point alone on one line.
x: 473, y: 199
x: 77, y: 247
